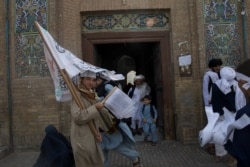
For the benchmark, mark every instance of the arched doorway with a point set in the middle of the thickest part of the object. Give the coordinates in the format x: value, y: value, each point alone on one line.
x: 151, y: 52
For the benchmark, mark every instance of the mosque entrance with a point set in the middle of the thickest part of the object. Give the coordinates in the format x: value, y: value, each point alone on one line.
x: 143, y: 55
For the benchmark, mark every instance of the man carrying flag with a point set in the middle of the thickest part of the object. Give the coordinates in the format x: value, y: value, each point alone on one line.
x: 85, y: 147
x: 66, y: 68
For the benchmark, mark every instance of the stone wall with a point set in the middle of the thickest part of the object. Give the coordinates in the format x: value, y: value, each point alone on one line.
x: 33, y: 102
x: 4, y: 115
x: 103, y: 5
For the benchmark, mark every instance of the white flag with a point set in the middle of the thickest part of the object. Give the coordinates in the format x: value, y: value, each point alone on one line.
x: 62, y: 92
x: 58, y: 57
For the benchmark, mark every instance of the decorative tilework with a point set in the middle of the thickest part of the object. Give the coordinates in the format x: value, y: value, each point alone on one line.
x: 30, y: 60
x: 124, y: 22
x: 29, y: 55
x: 216, y: 11
x: 221, y: 31
x: 28, y: 11
x: 223, y: 41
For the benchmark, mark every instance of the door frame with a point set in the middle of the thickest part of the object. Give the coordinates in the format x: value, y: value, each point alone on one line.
x: 163, y: 37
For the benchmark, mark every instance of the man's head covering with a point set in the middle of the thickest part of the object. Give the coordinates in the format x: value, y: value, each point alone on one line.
x: 139, y: 77
x: 102, y: 76
x: 130, y: 77
x: 228, y: 73
x: 214, y: 62
x: 50, y: 129
x: 88, y: 74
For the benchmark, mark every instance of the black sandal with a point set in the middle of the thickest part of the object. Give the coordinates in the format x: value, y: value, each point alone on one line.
x: 137, y: 164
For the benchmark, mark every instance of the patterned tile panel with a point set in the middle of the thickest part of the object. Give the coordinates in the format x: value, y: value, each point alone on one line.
x: 30, y: 60
x: 125, y: 22
x: 217, y: 11
x: 28, y: 11
x: 29, y: 54
x: 222, y: 41
x: 221, y: 31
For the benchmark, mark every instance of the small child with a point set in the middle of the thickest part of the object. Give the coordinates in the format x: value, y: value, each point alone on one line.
x: 148, y: 114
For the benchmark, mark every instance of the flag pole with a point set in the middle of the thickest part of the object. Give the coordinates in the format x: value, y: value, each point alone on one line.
x: 69, y: 83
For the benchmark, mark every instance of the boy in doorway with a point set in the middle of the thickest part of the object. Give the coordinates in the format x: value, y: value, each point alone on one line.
x: 148, y: 114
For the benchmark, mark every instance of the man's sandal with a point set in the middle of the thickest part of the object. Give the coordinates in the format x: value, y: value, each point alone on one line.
x: 137, y: 164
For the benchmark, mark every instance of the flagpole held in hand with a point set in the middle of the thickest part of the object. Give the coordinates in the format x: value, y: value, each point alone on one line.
x: 66, y: 78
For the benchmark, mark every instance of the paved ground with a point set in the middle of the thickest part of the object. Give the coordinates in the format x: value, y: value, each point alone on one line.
x: 164, y: 154
x: 169, y: 154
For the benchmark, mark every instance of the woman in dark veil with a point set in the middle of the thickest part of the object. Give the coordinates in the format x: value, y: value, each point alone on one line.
x: 56, y: 150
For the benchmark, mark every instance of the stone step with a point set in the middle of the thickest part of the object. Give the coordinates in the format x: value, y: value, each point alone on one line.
x: 4, y: 151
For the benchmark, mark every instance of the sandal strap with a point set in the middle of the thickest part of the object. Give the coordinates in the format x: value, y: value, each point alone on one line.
x: 137, y: 164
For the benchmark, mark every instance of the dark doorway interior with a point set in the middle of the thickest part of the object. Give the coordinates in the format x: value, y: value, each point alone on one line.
x: 142, y: 57
x: 109, y: 56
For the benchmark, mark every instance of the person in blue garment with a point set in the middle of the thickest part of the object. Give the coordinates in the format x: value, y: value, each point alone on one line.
x: 148, y: 114
x: 121, y: 140
x: 239, y: 145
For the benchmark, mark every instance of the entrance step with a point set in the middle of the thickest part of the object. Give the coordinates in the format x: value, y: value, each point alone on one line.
x: 4, y: 151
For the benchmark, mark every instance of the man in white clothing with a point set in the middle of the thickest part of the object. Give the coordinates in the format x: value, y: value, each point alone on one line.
x: 209, y: 78
x: 137, y: 92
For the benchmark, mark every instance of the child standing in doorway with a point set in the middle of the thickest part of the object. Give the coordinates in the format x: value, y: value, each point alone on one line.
x: 148, y: 114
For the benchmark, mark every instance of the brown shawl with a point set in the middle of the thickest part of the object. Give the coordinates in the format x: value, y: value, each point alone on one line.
x: 105, y: 119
